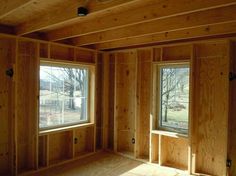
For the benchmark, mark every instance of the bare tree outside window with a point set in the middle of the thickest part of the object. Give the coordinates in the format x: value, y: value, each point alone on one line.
x: 63, y: 96
x: 174, y: 97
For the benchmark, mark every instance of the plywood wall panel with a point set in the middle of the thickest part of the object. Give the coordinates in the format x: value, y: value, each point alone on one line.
x: 59, y: 52
x: 219, y: 49
x: 125, y: 101
x: 175, y: 152
x: 26, y: 103
x: 232, y: 120
x: 84, y: 142
x: 99, y: 103
x: 157, y: 54
x: 111, y: 101
x: 143, y: 101
x: 7, y: 106
x: 42, y: 151
x: 5, y: 91
x: 124, y: 143
x: 19, y: 150
x: 211, y: 108
x: 154, y: 155
x: 85, y: 56
x: 60, y: 147
x: 175, y: 53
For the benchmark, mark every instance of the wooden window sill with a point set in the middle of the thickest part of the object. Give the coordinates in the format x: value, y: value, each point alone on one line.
x: 67, y: 128
x: 169, y: 134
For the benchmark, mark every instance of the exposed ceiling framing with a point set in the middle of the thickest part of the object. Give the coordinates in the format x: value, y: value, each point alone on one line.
x: 9, y: 6
x: 119, y: 23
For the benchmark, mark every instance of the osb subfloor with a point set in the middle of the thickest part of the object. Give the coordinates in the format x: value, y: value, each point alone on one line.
x: 107, y: 164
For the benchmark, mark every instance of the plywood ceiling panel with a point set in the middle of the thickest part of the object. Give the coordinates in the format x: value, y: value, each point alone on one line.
x: 117, y: 23
x: 32, y: 10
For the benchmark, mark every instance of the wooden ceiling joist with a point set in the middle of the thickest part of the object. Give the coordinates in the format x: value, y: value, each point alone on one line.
x: 67, y: 12
x: 196, y: 32
x: 9, y: 6
x: 145, y: 13
x: 213, y: 16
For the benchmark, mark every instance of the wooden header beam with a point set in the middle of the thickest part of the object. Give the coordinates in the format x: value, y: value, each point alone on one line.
x: 213, y: 16
x: 147, y: 12
x: 9, y: 6
x: 61, y: 15
x: 196, y: 32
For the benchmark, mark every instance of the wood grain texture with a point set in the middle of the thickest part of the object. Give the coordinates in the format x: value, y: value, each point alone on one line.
x: 24, y: 10
x: 232, y: 119
x: 185, y: 21
x: 59, y: 52
x: 191, y: 33
x: 105, y: 100
x: 154, y: 152
x: 99, y: 104
x: 8, y: 6
x: 125, y: 103
x: 176, y: 53
x: 84, y: 56
x: 106, y: 164
x: 136, y: 15
x: 26, y: 103
x: 85, y: 142
x: 157, y: 54
x: 111, y: 101
x: 6, y: 104
x: 21, y: 148
x: 174, y: 152
x: 59, y: 16
x: 60, y: 147
x: 43, y: 151
x: 143, y: 102
x: 211, y: 108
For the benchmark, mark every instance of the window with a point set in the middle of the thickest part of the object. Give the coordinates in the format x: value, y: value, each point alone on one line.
x: 174, y: 98
x: 63, y: 95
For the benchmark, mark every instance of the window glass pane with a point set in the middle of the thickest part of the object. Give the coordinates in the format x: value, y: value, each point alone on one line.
x: 174, y: 98
x: 63, y: 96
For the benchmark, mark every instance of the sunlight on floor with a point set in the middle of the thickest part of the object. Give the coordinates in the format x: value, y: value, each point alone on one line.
x: 107, y: 164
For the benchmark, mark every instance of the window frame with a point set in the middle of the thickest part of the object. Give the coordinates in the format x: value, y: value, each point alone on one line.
x: 158, y: 85
x: 88, y: 104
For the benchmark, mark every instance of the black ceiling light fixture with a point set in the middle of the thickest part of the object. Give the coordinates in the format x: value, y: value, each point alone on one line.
x: 82, y: 11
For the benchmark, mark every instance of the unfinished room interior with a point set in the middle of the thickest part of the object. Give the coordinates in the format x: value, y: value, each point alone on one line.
x: 117, y: 87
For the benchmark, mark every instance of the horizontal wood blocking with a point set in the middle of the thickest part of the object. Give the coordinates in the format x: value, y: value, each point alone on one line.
x: 195, y: 19
x: 61, y: 15
x: 195, y: 32
x: 153, y: 10
x: 66, y: 53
